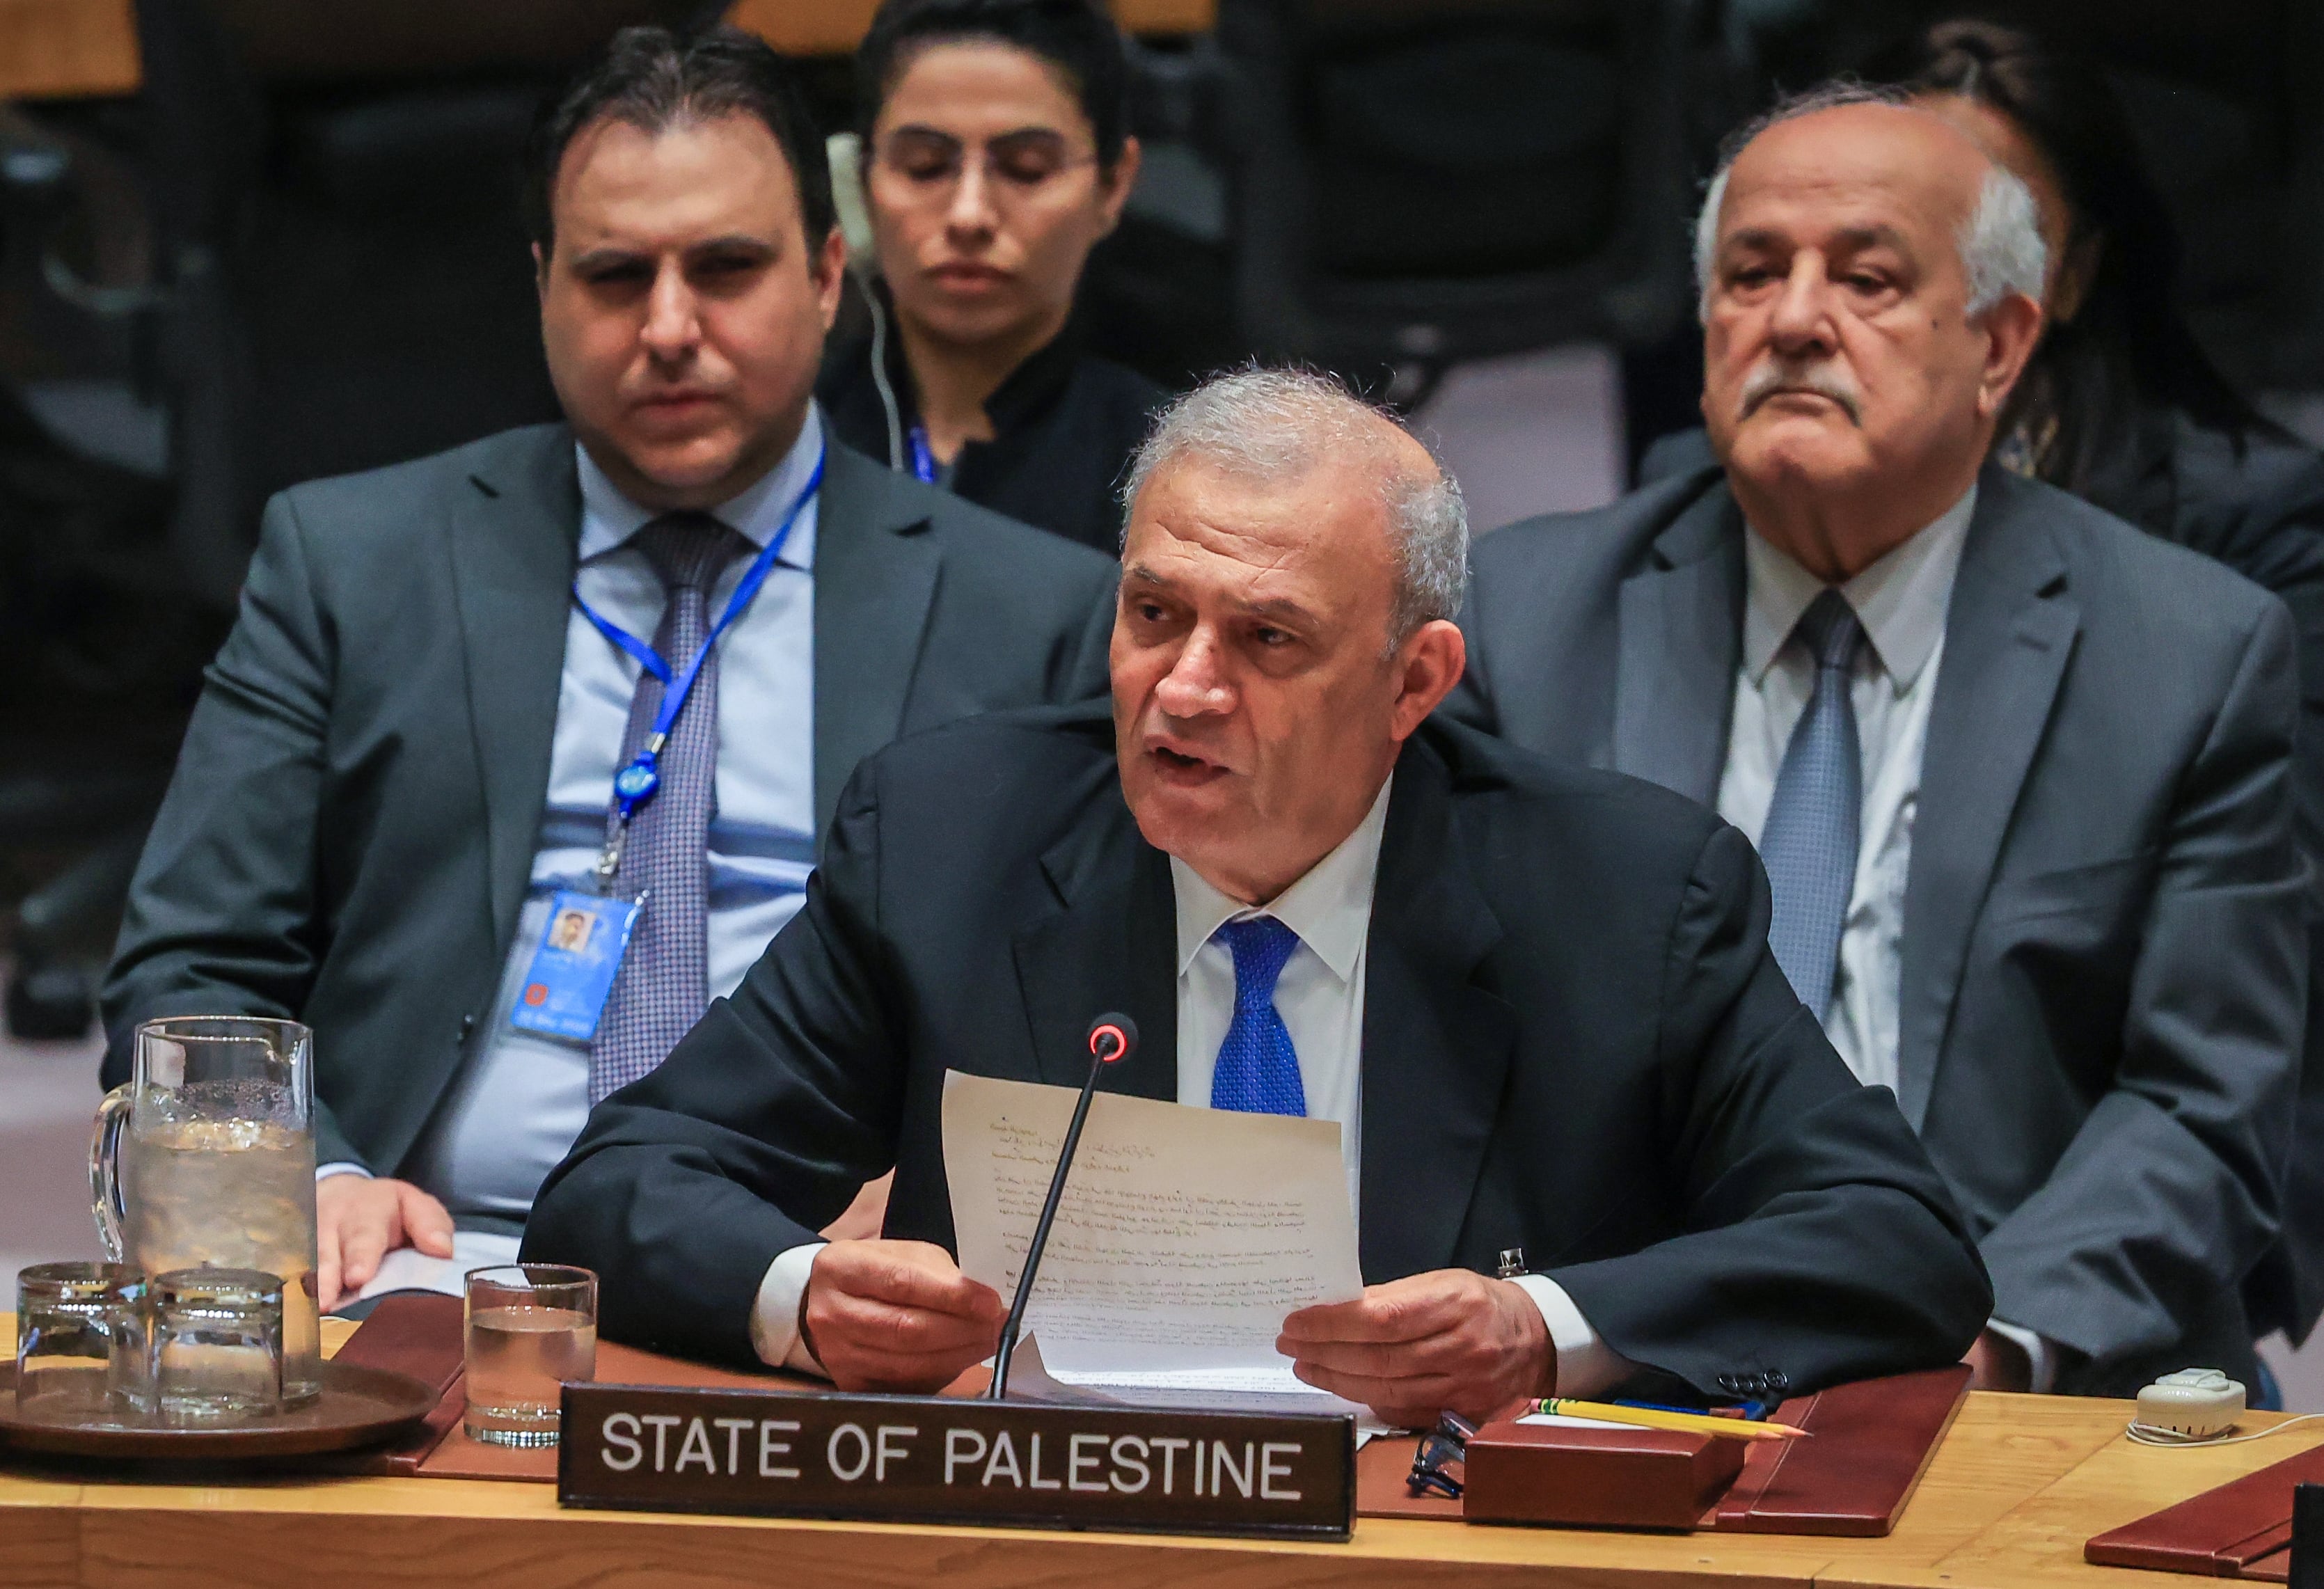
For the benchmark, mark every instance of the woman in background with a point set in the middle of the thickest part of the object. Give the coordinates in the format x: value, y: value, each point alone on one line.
x: 995, y: 155
x: 2121, y: 406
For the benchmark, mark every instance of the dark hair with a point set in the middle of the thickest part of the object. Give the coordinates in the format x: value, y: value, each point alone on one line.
x: 654, y: 78
x: 1073, y: 35
x: 2129, y: 323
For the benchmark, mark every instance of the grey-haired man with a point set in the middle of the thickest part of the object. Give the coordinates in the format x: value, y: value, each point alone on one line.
x: 2019, y: 774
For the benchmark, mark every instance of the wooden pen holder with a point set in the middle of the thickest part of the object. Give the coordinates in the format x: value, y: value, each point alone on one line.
x: 1519, y: 1472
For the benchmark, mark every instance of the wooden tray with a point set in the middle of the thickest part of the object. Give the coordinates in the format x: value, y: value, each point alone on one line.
x: 358, y: 1406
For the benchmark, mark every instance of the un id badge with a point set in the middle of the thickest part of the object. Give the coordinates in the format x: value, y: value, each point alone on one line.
x: 572, y: 972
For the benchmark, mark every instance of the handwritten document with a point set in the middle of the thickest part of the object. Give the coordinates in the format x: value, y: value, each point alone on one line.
x: 1184, y: 1237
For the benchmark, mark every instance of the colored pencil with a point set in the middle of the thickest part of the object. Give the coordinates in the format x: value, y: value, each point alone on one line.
x: 1690, y: 1423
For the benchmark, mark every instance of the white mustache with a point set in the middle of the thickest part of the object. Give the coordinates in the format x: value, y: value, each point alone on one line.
x: 1824, y: 380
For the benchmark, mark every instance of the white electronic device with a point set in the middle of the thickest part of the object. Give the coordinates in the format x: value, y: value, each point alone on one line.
x: 2193, y: 1404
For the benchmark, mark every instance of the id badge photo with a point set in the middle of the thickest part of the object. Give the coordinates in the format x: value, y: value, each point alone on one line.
x: 572, y: 972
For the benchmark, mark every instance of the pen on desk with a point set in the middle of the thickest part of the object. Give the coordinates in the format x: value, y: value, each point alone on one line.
x: 1690, y: 1423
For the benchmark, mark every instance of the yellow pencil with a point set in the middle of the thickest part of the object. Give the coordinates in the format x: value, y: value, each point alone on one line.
x: 1654, y: 1418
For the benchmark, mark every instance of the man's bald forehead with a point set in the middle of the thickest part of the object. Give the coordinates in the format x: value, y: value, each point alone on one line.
x: 1843, y: 143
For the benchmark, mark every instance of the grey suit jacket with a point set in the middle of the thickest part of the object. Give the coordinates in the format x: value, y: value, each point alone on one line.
x: 2104, y: 975
x: 349, y: 835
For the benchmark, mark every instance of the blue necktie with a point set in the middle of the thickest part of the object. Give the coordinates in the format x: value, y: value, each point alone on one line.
x: 1257, y: 1072
x: 1810, y: 841
x: 663, y: 985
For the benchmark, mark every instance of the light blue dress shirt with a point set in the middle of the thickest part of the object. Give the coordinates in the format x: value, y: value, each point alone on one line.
x: 521, y: 1097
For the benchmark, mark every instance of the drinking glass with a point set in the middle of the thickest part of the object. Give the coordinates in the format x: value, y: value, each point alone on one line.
x: 207, y: 1156
x: 530, y: 1328
x: 80, y: 1340
x: 216, y: 1345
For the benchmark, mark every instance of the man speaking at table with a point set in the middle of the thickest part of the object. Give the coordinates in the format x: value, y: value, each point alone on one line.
x: 1538, y: 999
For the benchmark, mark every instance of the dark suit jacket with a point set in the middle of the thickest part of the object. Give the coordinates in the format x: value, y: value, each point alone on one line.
x: 2254, y: 500
x: 350, y: 833
x: 1064, y: 426
x: 1575, y: 1041
x: 2104, y: 968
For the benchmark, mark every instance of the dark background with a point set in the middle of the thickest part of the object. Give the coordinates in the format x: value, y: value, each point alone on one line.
x: 296, y: 253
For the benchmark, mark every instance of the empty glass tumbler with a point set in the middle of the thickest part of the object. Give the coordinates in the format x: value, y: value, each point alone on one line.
x: 216, y: 1347
x: 530, y: 1328
x: 80, y: 1341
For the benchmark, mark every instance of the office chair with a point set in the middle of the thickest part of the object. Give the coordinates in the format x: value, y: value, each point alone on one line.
x: 97, y: 581
x: 1416, y: 182
x: 339, y: 281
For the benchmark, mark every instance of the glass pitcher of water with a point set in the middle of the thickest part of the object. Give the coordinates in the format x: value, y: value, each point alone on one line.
x: 206, y: 1156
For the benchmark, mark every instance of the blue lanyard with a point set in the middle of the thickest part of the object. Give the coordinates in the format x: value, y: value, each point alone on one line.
x: 924, y: 462
x: 635, y: 784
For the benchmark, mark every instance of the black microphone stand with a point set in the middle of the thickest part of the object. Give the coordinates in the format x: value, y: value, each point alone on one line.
x: 1111, y: 1037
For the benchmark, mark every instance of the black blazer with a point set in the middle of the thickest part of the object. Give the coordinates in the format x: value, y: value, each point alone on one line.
x: 1575, y: 1041
x: 1064, y: 424
x: 349, y: 836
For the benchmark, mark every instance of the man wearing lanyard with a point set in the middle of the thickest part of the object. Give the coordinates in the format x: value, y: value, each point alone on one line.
x: 517, y: 756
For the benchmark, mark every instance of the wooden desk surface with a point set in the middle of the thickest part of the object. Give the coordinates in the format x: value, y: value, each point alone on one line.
x: 57, y: 49
x: 2038, y: 1543
x: 2021, y: 1481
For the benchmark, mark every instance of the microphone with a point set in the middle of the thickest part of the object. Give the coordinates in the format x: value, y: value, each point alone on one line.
x: 1112, y: 1037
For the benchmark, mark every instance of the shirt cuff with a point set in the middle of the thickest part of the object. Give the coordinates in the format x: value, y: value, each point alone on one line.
x: 1586, y: 1365
x: 326, y: 1171
x: 2040, y: 1355
x: 774, y: 1316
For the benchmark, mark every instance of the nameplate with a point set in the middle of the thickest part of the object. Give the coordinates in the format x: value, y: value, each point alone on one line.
x: 943, y: 1460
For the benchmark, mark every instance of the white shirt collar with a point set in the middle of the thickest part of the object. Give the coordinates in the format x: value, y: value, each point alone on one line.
x: 608, y: 518
x: 1901, y: 600
x: 1330, y: 908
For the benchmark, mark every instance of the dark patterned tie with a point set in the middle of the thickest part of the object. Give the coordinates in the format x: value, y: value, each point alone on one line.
x: 1810, y: 840
x: 1258, y: 1071
x: 664, y: 983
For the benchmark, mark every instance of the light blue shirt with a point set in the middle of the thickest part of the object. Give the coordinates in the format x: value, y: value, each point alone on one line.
x: 521, y: 1097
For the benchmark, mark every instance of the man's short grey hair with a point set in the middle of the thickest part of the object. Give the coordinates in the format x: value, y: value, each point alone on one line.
x: 2001, y: 247
x: 1275, y: 425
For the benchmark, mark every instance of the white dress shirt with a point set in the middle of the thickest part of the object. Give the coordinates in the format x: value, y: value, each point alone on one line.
x: 1319, y: 995
x: 1902, y: 600
x: 521, y: 1097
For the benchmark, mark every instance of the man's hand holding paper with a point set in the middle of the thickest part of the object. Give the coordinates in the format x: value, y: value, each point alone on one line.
x: 896, y: 1315
x: 1450, y: 1339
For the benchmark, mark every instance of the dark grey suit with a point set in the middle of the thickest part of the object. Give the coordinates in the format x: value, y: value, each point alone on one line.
x: 350, y: 833
x: 2104, y: 972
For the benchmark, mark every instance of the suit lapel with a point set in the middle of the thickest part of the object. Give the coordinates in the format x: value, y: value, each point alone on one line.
x: 1109, y: 945
x: 1436, y: 1047
x: 516, y: 528
x: 2009, y: 634
x: 1682, y: 631
x: 875, y: 578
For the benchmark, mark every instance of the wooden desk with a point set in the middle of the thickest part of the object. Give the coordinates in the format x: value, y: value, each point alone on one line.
x: 61, y: 49
x: 2038, y: 1543
x: 2021, y: 1481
